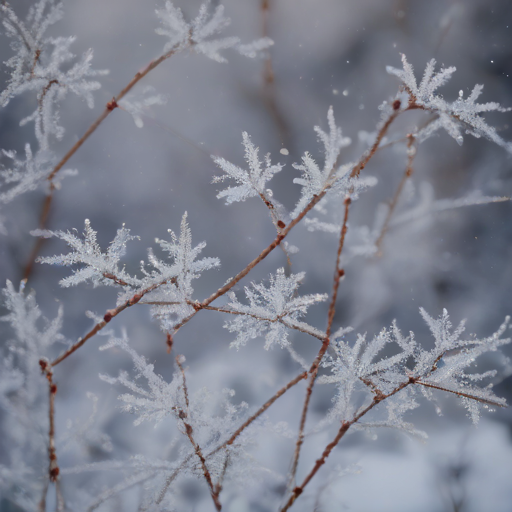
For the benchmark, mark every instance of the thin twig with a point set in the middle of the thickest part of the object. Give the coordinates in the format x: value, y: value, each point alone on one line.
x: 460, y: 393
x: 392, y: 206
x: 345, y: 425
x: 111, y: 313
x: 338, y: 273
x: 42, y: 501
x: 183, y: 415
x: 234, y: 280
x: 269, y: 82
x: 43, y: 219
x: 53, y: 469
x: 170, y: 479
x: 109, y: 108
x: 367, y: 156
x: 281, y: 318
x: 259, y: 412
x: 218, y: 485
x: 185, y: 390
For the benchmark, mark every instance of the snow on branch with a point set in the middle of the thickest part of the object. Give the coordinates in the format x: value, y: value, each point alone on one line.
x: 201, y: 33
x: 446, y: 367
x: 334, y: 176
x: 39, y: 65
x: 462, y: 114
x: 271, y: 311
x: 252, y: 182
x: 101, y: 268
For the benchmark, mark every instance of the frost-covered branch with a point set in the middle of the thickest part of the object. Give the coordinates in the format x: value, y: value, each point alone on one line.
x: 389, y: 380
x: 462, y: 114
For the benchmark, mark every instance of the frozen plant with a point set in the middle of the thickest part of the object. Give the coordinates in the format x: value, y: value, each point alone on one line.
x: 177, y: 437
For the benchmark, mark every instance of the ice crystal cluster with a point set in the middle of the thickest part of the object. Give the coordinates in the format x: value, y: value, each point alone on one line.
x: 180, y: 438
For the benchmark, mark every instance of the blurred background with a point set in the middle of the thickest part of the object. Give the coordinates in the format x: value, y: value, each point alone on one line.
x: 326, y: 52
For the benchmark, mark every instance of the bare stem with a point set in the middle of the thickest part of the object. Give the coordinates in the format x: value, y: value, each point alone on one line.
x: 43, y: 219
x: 53, y: 469
x: 183, y: 415
x: 281, y: 319
x: 234, y: 280
x: 269, y: 81
x: 259, y: 412
x: 338, y: 273
x: 170, y: 480
x: 392, y: 206
x: 345, y: 425
x: 185, y: 389
x: 111, y: 313
x: 367, y: 156
x: 109, y: 108
x: 460, y: 393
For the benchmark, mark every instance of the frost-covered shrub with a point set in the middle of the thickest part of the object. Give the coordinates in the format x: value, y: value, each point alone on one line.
x: 199, y: 444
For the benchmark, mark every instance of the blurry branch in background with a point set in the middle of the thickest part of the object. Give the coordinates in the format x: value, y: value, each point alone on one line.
x: 269, y: 84
x: 411, y: 153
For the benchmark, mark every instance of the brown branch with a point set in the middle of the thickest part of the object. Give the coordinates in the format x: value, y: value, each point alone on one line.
x: 281, y: 318
x: 37, y: 54
x: 53, y: 469
x: 234, y: 280
x: 269, y: 90
x: 42, y: 502
x: 380, y: 135
x: 259, y: 412
x: 218, y: 485
x: 185, y: 390
x: 117, y: 280
x: 338, y: 273
x: 43, y: 219
x: 345, y: 425
x: 111, y: 313
x: 110, y: 107
x: 460, y: 393
x: 189, y: 431
x: 170, y: 479
x: 392, y: 206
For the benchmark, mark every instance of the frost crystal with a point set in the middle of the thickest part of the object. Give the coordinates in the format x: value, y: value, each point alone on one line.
x: 173, y: 299
x: 271, y: 311
x: 167, y: 286
x: 24, y: 396
x: 101, y: 268
x: 354, y: 366
x: 251, y: 182
x: 314, y: 179
x: 158, y: 399
x: 200, y: 33
x: 358, y: 369
x: 23, y: 176
x: 38, y: 65
x: 462, y: 114
x: 138, y: 104
x: 161, y: 399
x: 444, y: 367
